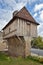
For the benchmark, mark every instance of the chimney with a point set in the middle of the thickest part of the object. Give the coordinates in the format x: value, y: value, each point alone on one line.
x: 15, y: 12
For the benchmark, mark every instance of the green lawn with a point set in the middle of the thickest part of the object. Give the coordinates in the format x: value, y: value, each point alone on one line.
x: 6, y: 60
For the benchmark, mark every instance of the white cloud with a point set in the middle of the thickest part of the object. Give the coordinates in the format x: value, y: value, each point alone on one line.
x: 2, y: 23
x: 27, y: 1
x: 38, y: 7
x: 35, y: 14
x: 15, y: 4
x: 40, y: 29
x: 32, y: 1
x: 41, y: 15
x: 40, y: 34
x: 5, y: 14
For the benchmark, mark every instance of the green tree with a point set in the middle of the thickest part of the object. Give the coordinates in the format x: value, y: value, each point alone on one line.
x: 37, y: 42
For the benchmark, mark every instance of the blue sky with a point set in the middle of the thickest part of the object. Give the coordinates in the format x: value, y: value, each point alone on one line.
x: 35, y: 7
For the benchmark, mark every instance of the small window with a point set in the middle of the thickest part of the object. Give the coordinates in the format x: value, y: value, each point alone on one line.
x: 28, y: 23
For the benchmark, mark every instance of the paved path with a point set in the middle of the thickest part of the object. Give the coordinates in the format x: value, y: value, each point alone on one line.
x: 37, y: 51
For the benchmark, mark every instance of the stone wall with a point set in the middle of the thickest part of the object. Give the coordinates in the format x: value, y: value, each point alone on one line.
x: 27, y: 46
x: 17, y: 46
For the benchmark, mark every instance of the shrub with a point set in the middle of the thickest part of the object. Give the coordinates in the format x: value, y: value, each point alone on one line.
x: 41, y: 60
x: 37, y: 43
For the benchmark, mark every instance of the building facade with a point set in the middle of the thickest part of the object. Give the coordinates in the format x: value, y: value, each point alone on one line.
x: 19, y: 32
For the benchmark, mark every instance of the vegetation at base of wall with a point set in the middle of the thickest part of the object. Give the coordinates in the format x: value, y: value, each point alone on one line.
x: 36, y: 58
x: 6, y: 60
x: 37, y: 43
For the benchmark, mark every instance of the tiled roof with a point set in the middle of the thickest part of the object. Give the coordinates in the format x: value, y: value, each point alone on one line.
x: 24, y: 14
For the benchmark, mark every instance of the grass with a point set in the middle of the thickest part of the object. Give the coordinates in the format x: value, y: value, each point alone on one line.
x: 6, y: 60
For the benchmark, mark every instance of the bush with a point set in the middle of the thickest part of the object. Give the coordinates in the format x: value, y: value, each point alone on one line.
x: 37, y: 59
x: 37, y: 43
x: 41, y: 60
x: 33, y: 58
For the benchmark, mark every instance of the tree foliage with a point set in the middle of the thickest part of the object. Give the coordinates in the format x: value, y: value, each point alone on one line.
x: 37, y: 42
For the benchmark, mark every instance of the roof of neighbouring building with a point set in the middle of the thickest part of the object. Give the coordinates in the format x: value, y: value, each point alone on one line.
x: 23, y: 14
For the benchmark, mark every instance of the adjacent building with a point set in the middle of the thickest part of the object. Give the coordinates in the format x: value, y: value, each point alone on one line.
x: 1, y: 36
